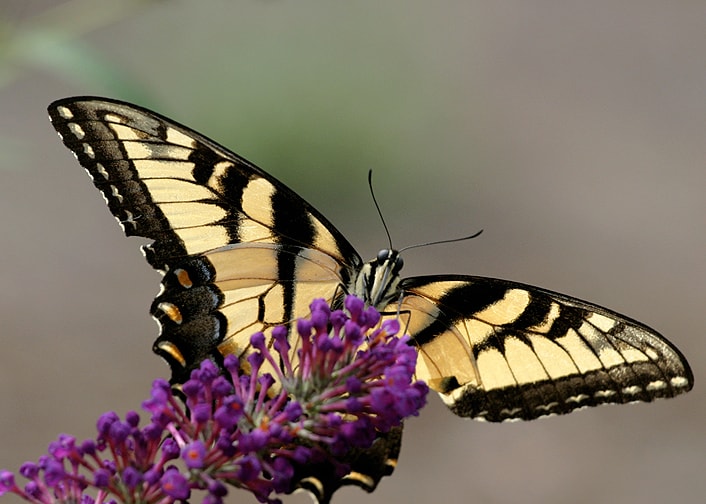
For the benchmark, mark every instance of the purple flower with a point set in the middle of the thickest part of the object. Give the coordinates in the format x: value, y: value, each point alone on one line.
x: 304, y: 327
x: 63, y: 446
x: 170, y: 449
x: 194, y: 454
x: 88, y: 447
x: 354, y: 332
x: 221, y: 387
x: 174, y: 484
x: 29, y: 470
x: 281, y: 345
x: 132, y: 418
x: 228, y: 414
x: 192, y: 388
x: 217, y: 489
x: 101, y: 478
x: 293, y: 411
x: 132, y: 477
x: 201, y: 413
x: 105, y: 421
x: 33, y: 490
x: 53, y: 472
x: 282, y: 474
x: 7, y: 482
x: 249, y: 468
x: 253, y: 441
x: 152, y: 476
x: 118, y: 432
x: 354, y: 306
x: 348, y: 380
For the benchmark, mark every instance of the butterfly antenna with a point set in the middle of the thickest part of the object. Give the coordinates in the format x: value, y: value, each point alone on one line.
x: 372, y: 193
x: 439, y: 242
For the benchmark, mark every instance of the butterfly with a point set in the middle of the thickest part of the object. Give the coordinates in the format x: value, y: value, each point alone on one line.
x: 241, y: 252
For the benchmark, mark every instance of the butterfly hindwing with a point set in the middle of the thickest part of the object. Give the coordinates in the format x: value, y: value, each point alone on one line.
x: 240, y: 251
x: 499, y: 350
x: 367, y: 467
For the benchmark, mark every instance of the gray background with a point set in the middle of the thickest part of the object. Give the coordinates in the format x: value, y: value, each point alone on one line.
x: 572, y: 132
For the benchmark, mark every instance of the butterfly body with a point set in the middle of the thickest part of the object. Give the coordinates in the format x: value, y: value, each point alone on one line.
x: 378, y: 281
x: 241, y: 252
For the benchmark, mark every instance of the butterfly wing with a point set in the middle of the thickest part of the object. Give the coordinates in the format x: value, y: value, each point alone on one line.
x: 240, y: 251
x: 367, y: 467
x: 498, y: 350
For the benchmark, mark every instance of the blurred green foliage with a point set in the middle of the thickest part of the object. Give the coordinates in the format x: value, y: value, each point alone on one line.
x: 289, y: 85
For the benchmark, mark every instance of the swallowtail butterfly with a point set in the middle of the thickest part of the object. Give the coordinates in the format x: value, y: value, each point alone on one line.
x: 241, y: 252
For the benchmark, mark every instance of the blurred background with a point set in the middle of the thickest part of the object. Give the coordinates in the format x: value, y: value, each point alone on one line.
x: 571, y: 132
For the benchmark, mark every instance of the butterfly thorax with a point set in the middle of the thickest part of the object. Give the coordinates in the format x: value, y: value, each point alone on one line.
x: 377, y: 282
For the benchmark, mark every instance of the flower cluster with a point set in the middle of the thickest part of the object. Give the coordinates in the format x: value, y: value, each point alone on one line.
x: 345, y: 382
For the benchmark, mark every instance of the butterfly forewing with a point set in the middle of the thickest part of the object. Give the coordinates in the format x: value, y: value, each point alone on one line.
x: 498, y: 350
x: 240, y: 251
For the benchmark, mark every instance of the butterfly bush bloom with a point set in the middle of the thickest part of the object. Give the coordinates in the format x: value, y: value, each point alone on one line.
x: 348, y: 380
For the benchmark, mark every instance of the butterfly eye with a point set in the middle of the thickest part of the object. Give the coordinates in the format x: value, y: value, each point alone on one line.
x: 399, y: 262
x: 383, y: 255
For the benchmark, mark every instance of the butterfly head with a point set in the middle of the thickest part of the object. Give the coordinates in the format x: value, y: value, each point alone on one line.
x: 377, y: 283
